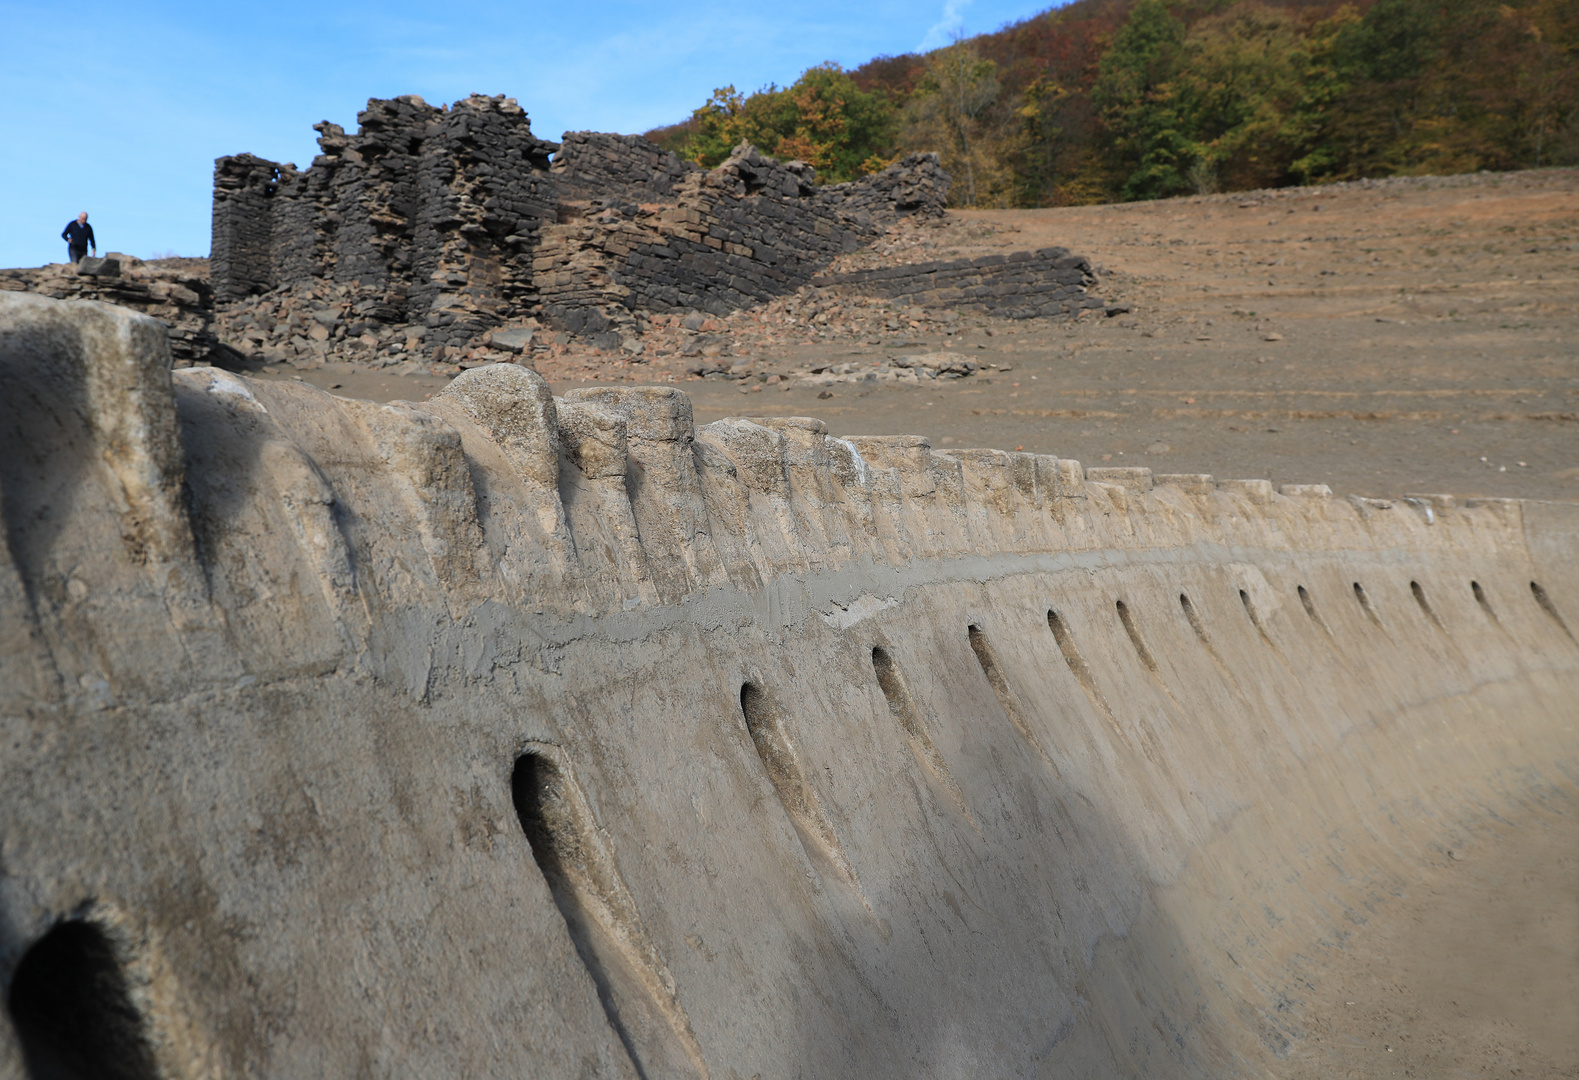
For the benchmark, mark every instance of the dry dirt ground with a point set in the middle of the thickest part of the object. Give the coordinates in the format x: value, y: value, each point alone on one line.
x: 1472, y: 972
x: 1397, y: 337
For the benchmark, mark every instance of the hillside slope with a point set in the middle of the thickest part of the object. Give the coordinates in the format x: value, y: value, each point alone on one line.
x: 1103, y: 100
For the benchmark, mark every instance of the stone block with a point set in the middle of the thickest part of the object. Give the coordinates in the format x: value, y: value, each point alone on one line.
x: 515, y: 339
x: 1258, y: 492
x: 1131, y: 478
x: 1193, y: 483
x: 656, y: 413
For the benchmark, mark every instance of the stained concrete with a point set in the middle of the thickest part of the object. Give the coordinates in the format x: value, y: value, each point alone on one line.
x: 504, y: 735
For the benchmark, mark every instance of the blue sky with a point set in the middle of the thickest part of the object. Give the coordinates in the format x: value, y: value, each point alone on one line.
x: 120, y: 109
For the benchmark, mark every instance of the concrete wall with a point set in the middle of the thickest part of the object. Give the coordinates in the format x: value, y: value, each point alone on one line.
x: 503, y: 735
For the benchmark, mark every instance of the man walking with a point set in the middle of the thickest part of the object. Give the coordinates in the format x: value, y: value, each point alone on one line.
x: 78, y: 236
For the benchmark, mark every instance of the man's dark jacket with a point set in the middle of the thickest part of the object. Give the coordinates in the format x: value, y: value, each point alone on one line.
x: 79, y: 234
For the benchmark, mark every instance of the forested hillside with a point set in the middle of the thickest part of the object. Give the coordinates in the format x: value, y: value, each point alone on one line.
x: 1134, y: 99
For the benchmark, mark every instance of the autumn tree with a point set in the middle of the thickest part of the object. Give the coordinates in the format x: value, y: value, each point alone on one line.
x: 715, y: 128
x: 1134, y: 93
x: 948, y: 114
x: 1134, y: 99
x: 1240, y: 77
x: 823, y: 119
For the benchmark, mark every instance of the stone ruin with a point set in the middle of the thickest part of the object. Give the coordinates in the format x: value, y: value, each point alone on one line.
x: 506, y: 735
x: 174, y: 291
x: 455, y: 221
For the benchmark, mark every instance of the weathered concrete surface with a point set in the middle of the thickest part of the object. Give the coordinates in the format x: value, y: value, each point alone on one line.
x: 507, y: 736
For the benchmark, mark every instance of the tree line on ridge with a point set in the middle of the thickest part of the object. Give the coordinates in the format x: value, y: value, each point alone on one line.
x: 1105, y: 100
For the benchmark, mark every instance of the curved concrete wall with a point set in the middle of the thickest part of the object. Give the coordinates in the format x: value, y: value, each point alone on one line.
x: 505, y: 736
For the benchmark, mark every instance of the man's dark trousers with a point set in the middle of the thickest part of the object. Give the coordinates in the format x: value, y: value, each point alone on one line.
x: 78, y: 253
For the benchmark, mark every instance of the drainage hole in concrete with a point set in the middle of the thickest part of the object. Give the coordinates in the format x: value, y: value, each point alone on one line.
x: 1547, y: 606
x: 71, y: 1011
x: 1066, y: 645
x: 1425, y: 605
x: 546, y: 813
x: 778, y: 759
x: 1255, y: 619
x: 1134, y: 636
x: 893, y: 686
x: 988, y: 661
x: 1194, y: 619
x: 1480, y: 598
x: 1365, y: 603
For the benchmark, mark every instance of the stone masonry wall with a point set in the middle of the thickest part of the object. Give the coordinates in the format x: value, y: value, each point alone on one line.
x: 428, y: 214
x: 752, y: 229
x: 241, y: 253
x: 175, y: 291
x: 1022, y: 285
x: 595, y: 165
x: 454, y: 219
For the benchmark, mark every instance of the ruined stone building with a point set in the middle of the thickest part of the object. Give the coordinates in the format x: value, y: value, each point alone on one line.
x: 461, y: 219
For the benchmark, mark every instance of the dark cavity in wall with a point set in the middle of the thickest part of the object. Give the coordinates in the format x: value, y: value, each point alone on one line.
x: 1194, y: 620
x: 1485, y: 604
x: 1134, y: 636
x: 781, y: 761
x: 902, y: 707
x: 1547, y: 606
x: 988, y: 659
x: 1365, y: 603
x: 896, y: 693
x: 1255, y: 617
x: 1310, y: 607
x: 1193, y: 617
x: 632, y: 982
x: 1425, y: 605
x: 1081, y: 671
x: 71, y: 1011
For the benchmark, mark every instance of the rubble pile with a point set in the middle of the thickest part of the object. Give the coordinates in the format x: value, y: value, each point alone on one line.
x: 174, y: 291
x: 860, y: 340
x: 318, y: 322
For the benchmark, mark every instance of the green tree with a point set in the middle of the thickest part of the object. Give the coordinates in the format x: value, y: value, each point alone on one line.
x: 823, y: 119
x: 1134, y: 93
x: 1384, y: 61
x: 1324, y: 85
x: 948, y: 113
x: 715, y: 128
x: 1241, y: 77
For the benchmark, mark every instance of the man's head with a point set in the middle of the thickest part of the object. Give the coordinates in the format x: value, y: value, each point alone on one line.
x: 82, y: 218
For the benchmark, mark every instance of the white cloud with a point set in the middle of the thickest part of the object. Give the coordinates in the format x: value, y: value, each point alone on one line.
x: 943, y: 30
